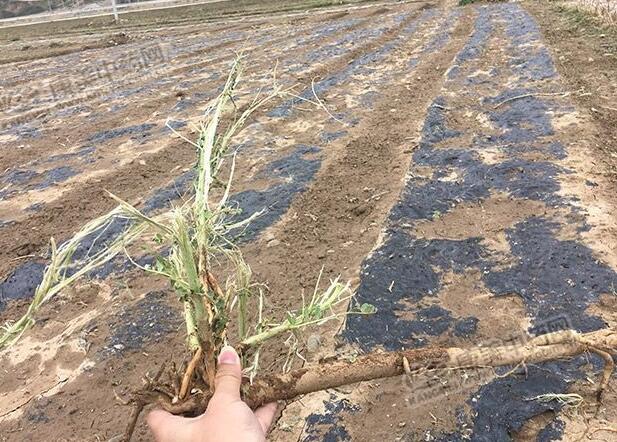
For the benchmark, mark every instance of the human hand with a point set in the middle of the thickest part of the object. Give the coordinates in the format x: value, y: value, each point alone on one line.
x: 227, y: 418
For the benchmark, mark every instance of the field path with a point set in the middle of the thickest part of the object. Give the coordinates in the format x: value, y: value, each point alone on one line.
x: 458, y: 187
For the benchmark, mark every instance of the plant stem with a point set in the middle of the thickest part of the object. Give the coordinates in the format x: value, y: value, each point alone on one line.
x: 242, y: 315
x: 260, y: 338
x: 286, y: 326
x: 193, y: 315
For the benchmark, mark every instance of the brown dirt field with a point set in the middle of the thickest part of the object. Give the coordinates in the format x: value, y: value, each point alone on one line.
x: 578, y: 40
x: 466, y: 213
x: 164, y: 16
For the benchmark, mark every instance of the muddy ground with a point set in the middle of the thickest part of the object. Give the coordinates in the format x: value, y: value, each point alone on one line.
x: 463, y: 179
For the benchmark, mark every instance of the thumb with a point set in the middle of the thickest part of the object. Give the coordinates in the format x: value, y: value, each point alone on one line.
x: 228, y: 375
x: 168, y: 428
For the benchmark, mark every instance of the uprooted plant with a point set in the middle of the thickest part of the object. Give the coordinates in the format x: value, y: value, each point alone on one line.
x: 197, y: 242
x: 194, y: 238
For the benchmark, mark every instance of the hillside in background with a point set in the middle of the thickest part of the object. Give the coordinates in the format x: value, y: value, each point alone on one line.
x: 18, y: 8
x: 12, y: 8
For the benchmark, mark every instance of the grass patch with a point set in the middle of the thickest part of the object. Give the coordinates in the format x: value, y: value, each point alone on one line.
x: 605, y: 10
x: 582, y: 23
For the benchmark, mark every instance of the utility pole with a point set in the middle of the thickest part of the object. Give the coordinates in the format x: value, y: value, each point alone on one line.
x: 113, y: 5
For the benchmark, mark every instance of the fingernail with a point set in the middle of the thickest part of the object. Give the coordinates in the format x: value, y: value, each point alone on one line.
x: 228, y: 356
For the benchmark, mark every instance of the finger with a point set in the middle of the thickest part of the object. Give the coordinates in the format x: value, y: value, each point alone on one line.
x: 265, y: 415
x: 228, y: 375
x: 169, y: 428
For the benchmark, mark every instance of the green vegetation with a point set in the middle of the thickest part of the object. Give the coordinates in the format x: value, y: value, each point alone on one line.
x: 580, y: 22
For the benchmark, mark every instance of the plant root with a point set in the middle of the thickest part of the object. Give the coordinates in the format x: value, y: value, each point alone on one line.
x: 334, y: 373
x: 139, y: 404
x: 136, y: 410
x: 607, y: 371
x: 188, y: 374
x: 609, y: 429
x: 539, y: 94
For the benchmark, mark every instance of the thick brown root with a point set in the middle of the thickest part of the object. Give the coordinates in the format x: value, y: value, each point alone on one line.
x: 188, y: 374
x: 338, y: 372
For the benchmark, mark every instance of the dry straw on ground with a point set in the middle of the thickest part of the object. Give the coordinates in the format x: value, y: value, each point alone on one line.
x: 605, y: 9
